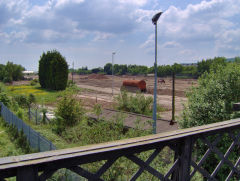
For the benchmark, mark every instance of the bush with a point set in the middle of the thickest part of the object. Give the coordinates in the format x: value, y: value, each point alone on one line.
x: 136, y: 104
x: 53, y: 71
x: 210, y: 102
x: 69, y: 112
x: 22, y: 100
x: 5, y: 99
x: 34, y: 82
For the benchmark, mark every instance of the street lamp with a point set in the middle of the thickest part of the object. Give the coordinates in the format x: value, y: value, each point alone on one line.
x: 113, y: 53
x: 154, y: 21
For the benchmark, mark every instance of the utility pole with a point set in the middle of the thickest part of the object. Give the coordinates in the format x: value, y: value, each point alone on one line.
x: 113, y: 53
x: 173, y: 99
x: 154, y: 21
x: 72, y: 70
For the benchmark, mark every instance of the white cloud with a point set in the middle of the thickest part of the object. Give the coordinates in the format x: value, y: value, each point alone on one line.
x: 171, y: 44
x: 61, y: 3
x: 134, y: 2
x: 204, y: 29
x: 209, y: 28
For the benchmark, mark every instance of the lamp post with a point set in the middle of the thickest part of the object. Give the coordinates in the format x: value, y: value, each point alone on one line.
x: 113, y: 53
x: 154, y: 21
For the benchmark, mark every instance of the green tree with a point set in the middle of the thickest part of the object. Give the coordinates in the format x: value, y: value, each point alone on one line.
x: 53, y: 71
x: 69, y: 112
x: 207, y: 65
x: 211, y: 101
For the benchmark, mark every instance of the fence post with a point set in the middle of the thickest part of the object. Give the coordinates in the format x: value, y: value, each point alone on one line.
x: 29, y: 135
x: 185, y: 159
x: 29, y: 113
x: 36, y: 117
x: 38, y: 141
x: 12, y: 119
x: 50, y: 145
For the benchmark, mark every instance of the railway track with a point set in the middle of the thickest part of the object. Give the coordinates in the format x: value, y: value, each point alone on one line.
x: 129, y: 120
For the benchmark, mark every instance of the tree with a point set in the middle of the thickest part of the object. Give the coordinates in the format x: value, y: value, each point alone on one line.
x: 210, y: 102
x: 206, y: 65
x: 53, y: 71
x: 69, y: 112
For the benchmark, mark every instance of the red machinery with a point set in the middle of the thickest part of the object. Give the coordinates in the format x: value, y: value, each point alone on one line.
x: 140, y: 84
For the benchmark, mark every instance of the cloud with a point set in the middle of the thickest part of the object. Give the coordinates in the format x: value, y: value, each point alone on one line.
x: 171, y: 44
x: 134, y: 2
x: 207, y: 28
x: 60, y: 18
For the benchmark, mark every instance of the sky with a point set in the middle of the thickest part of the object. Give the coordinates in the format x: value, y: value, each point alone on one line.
x: 86, y: 32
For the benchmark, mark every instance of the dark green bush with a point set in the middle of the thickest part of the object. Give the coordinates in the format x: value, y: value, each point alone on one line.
x: 5, y: 99
x: 211, y: 101
x: 34, y: 82
x: 53, y: 71
x: 22, y: 100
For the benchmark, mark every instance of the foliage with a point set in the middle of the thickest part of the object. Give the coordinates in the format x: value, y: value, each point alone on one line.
x: 44, y: 117
x: 68, y: 113
x: 18, y: 138
x: 210, y: 64
x: 24, y: 101
x: 97, y: 70
x: 7, y: 147
x: 211, y: 102
x: 21, y: 100
x: 82, y: 71
x: 53, y: 71
x: 5, y: 99
x: 11, y: 72
x: 34, y: 82
x: 136, y: 104
x: 108, y: 68
x: 97, y: 109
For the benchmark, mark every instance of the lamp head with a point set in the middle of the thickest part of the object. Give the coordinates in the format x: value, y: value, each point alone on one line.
x: 156, y: 17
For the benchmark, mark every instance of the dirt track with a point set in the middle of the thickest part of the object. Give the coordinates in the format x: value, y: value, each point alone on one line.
x: 98, y: 88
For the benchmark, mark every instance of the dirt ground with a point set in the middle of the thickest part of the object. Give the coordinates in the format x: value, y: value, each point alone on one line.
x: 98, y: 88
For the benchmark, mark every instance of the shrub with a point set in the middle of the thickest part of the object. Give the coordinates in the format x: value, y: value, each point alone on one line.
x: 5, y: 99
x: 210, y: 102
x: 34, y: 82
x: 136, y: 104
x: 69, y: 112
x: 97, y: 109
x: 22, y: 100
x: 53, y: 71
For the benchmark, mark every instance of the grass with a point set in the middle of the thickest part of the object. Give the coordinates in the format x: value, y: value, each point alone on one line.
x: 43, y: 96
x: 7, y: 147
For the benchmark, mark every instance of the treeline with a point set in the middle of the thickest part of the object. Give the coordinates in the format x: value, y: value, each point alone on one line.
x: 11, y: 72
x: 194, y: 70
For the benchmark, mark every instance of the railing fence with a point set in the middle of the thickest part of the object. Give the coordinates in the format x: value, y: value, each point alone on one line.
x: 35, y: 140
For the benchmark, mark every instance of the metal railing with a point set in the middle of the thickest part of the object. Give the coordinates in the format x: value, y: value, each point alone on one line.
x: 187, y: 159
x: 36, y: 141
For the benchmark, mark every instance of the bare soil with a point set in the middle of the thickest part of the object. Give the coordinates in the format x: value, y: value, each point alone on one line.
x: 98, y: 88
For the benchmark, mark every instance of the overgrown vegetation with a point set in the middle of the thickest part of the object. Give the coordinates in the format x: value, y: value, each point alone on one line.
x: 138, y: 103
x: 211, y: 101
x: 7, y: 146
x: 69, y: 112
x: 11, y: 72
x: 53, y: 71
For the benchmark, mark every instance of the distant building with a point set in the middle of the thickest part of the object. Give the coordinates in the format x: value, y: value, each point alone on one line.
x: 29, y: 72
x: 188, y: 64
